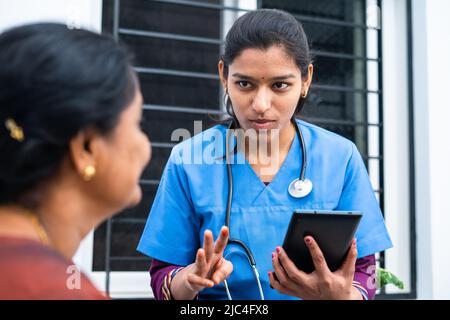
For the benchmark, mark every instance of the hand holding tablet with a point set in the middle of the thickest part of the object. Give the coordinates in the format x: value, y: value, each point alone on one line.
x: 332, y: 230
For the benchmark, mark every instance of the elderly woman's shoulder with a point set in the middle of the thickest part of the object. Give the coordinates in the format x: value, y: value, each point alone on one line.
x: 30, y: 270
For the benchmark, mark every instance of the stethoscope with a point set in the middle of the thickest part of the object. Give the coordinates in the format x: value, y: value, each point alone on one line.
x: 298, y: 188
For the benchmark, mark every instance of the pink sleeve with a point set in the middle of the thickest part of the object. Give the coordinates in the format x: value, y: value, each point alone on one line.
x: 158, y: 272
x: 365, y: 277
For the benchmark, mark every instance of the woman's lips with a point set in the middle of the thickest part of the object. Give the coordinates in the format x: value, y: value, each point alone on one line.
x: 262, y: 124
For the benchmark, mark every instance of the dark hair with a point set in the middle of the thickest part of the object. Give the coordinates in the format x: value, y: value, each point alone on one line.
x: 55, y: 82
x: 262, y: 29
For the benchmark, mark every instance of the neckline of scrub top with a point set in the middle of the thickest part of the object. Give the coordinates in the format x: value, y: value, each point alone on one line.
x: 289, y: 162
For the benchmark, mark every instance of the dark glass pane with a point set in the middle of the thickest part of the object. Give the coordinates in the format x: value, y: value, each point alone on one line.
x: 173, y: 54
x: 170, y: 18
x: 107, y: 16
x: 357, y: 134
x: 346, y: 111
x: 142, y: 210
x: 159, y: 159
x: 344, y: 10
x: 131, y: 265
x: 337, y: 39
x: 340, y: 72
x: 180, y: 91
x: 125, y: 238
x: 336, y: 105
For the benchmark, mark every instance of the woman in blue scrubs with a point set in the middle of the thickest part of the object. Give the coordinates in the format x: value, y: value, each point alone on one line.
x: 266, y: 72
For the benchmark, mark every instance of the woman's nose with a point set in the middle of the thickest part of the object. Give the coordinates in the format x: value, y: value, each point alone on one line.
x: 262, y: 101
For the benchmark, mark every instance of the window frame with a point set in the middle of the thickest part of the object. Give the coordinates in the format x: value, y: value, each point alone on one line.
x: 136, y: 284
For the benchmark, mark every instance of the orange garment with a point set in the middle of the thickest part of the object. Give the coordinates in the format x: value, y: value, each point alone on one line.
x: 31, y: 270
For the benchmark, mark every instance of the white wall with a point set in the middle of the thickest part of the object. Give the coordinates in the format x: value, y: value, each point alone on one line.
x: 81, y: 13
x: 431, y: 46
x: 396, y: 140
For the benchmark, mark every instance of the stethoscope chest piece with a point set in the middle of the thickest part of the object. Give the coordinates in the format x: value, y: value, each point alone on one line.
x: 300, y: 188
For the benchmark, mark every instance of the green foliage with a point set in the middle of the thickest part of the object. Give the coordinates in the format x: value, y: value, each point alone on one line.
x: 385, y: 277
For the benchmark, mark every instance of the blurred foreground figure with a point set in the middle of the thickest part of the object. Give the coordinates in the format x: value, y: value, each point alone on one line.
x: 71, y: 153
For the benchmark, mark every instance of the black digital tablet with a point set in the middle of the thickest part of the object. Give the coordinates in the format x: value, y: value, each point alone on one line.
x: 332, y: 230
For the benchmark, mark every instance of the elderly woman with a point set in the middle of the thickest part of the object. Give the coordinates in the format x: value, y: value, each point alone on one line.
x: 72, y: 152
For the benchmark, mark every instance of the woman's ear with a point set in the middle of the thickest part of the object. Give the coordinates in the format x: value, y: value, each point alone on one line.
x: 223, y: 79
x: 82, y: 150
x: 308, y: 80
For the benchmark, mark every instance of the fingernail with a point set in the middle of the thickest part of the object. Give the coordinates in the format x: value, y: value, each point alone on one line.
x: 278, y: 249
x: 308, y: 240
x: 273, y: 255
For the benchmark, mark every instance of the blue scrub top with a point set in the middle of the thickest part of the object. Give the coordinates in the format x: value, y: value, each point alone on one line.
x: 192, y: 198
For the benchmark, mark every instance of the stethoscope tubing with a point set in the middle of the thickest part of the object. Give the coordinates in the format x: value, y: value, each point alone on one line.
x: 238, y: 242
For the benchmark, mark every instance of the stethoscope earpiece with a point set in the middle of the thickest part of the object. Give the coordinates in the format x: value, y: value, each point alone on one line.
x: 300, y: 188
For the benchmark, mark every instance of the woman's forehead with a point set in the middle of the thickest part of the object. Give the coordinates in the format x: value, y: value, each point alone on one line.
x: 264, y: 63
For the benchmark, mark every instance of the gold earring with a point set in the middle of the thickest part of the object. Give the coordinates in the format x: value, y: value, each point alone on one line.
x: 305, y: 94
x: 15, y: 131
x: 88, y: 173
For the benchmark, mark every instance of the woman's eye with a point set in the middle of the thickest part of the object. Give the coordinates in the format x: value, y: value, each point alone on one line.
x: 244, y: 84
x: 280, y: 85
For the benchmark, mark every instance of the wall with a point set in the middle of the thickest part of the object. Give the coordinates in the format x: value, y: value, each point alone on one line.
x: 396, y: 140
x: 431, y: 67
x: 83, y: 13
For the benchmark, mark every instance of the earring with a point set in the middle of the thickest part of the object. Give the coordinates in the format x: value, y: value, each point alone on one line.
x: 226, y: 98
x: 305, y: 94
x: 227, y: 103
x: 15, y: 131
x: 88, y: 173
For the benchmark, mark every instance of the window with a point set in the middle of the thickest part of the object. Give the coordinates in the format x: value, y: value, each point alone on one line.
x: 180, y: 85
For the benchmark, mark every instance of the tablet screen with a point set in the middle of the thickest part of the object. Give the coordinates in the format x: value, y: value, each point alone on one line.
x: 332, y: 230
